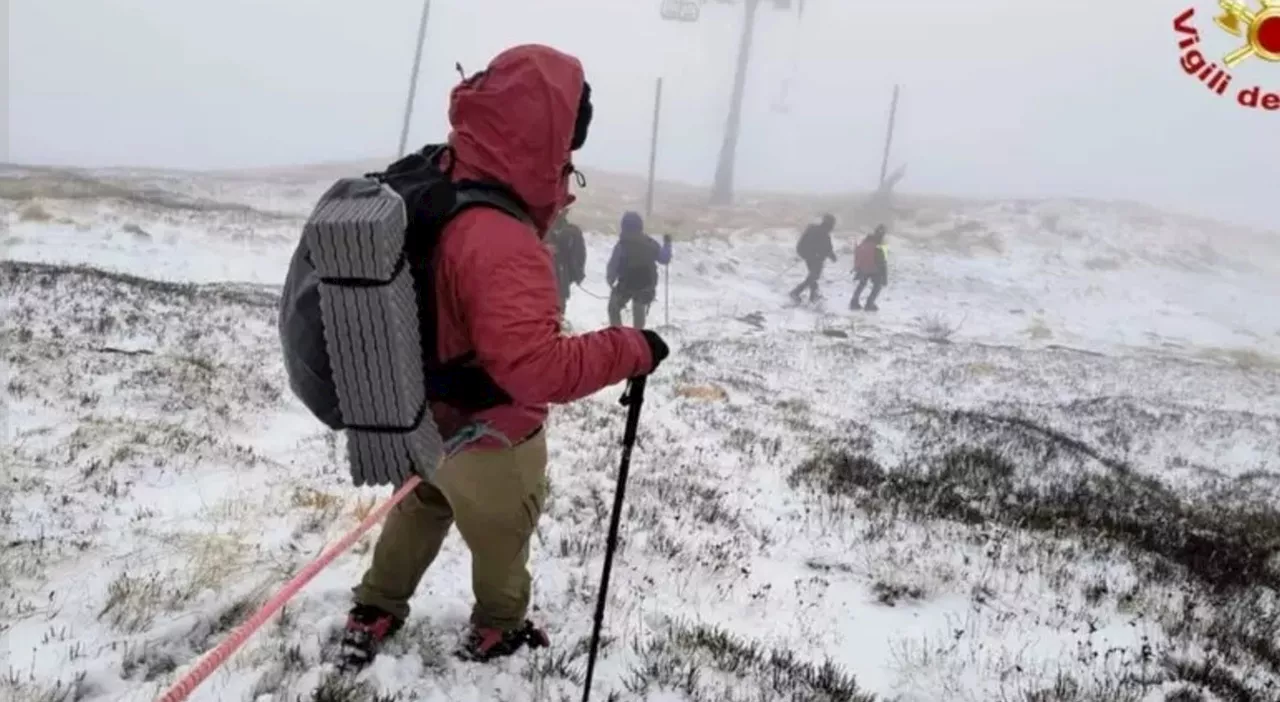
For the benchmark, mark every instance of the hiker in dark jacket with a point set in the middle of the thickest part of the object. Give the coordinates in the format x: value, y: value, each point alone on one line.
x: 815, y: 249
x: 569, y: 252
x: 496, y: 301
x: 870, y: 264
x: 632, y: 272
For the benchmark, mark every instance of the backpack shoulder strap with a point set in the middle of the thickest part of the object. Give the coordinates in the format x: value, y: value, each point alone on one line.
x: 474, y: 194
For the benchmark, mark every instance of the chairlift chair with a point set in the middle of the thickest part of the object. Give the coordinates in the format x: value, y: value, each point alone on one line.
x: 786, y: 5
x: 680, y: 10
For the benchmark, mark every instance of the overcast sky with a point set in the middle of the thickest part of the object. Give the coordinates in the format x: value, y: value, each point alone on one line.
x: 1001, y: 97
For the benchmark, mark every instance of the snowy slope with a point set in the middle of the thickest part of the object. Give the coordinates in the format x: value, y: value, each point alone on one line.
x: 1072, y: 496
x: 1095, y: 275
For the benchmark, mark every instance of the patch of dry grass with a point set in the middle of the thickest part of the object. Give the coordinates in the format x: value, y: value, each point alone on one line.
x: 1242, y: 358
x: 309, y: 498
x: 702, y: 392
x: 938, y: 330
x: 213, y: 559
x: 1103, y: 263
x: 33, y: 212
x: 1249, y: 359
x: 132, y: 602
x: 18, y: 688
x: 362, y: 507
x: 210, y: 563
x: 1038, y: 330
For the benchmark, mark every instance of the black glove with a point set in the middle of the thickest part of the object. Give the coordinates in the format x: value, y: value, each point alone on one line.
x: 666, y: 239
x: 657, y: 348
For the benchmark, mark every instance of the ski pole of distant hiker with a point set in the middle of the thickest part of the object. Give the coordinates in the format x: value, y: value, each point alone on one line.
x: 785, y: 271
x: 213, y: 660
x: 632, y: 399
x: 666, y: 293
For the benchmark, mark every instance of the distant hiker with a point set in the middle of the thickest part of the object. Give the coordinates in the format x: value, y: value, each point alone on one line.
x: 633, y: 270
x: 569, y: 251
x: 815, y: 250
x: 870, y: 264
x: 496, y: 303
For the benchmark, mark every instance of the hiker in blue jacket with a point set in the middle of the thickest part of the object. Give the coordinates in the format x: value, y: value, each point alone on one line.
x: 632, y: 272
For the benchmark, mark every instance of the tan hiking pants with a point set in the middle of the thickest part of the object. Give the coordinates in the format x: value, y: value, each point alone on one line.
x: 495, y: 496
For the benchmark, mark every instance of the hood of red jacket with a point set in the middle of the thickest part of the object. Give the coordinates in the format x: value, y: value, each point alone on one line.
x: 513, y: 123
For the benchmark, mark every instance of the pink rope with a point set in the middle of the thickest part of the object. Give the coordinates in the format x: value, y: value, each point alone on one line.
x: 215, y: 658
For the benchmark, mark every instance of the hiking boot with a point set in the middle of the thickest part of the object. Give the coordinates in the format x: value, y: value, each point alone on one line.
x: 367, y: 628
x: 854, y: 305
x: 795, y: 296
x: 485, y: 644
x: 871, y: 307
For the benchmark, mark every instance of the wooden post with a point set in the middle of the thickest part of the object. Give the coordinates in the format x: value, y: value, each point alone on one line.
x: 413, y: 76
x: 653, y: 148
x: 888, y: 139
x: 648, y: 197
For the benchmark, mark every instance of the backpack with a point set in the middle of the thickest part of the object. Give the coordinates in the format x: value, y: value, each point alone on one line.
x: 804, y: 246
x: 810, y: 246
x: 639, y: 265
x: 864, y: 257
x: 575, y: 251
x: 357, y: 317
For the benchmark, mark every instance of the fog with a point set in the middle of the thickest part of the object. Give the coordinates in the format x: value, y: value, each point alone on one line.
x: 1000, y: 97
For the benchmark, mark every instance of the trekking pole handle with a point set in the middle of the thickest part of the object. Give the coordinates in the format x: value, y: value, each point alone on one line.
x: 632, y: 399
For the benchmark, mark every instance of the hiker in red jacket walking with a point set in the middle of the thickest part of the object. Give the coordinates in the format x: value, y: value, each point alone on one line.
x: 870, y: 264
x: 496, y: 297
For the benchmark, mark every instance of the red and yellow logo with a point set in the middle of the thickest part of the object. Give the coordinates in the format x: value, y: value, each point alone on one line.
x: 1260, y: 32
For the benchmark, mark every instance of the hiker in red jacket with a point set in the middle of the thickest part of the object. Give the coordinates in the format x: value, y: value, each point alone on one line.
x: 496, y: 296
x: 870, y: 264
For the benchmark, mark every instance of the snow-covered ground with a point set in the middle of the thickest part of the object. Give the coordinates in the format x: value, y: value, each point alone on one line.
x: 1048, y: 470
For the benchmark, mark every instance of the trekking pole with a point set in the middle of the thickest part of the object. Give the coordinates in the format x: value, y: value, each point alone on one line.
x: 632, y: 399
x: 784, y: 272
x: 666, y: 285
x: 598, y: 297
x: 211, y: 661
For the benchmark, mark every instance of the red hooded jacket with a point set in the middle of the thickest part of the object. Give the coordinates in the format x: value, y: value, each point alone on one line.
x: 495, y: 284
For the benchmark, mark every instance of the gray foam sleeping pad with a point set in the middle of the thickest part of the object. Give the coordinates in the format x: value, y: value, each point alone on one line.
x: 370, y: 315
